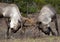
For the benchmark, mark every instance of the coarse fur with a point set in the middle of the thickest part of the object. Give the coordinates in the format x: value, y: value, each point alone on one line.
x: 11, y: 11
x: 46, y: 15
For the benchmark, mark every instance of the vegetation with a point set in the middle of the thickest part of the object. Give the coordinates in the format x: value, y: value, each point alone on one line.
x: 45, y: 39
x: 31, y: 6
x: 34, y: 5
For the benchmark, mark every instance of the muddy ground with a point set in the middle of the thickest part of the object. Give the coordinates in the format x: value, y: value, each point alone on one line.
x: 29, y: 31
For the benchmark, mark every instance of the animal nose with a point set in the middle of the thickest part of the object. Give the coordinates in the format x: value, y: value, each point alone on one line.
x: 12, y: 30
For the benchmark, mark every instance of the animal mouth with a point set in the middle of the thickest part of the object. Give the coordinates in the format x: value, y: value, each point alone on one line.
x: 13, y: 30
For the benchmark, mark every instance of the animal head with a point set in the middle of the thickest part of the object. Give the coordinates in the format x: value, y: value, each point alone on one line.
x: 14, y: 24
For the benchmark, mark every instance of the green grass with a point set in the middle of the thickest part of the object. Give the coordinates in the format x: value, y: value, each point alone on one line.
x: 44, y: 39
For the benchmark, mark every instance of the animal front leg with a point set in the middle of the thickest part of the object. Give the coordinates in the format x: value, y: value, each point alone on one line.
x: 8, y: 27
x: 8, y: 33
x: 56, y: 25
x: 48, y: 30
x: 53, y: 33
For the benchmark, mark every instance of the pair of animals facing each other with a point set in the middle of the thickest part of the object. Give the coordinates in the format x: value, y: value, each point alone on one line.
x: 11, y: 11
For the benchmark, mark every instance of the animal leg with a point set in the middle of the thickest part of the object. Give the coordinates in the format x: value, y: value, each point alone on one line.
x: 8, y: 27
x: 56, y: 24
x: 8, y: 32
x: 50, y: 30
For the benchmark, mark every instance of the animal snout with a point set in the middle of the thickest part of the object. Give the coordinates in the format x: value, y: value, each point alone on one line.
x: 13, y: 30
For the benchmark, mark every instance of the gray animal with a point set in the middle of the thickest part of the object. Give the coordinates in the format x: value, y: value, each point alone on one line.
x: 46, y: 16
x: 11, y: 11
